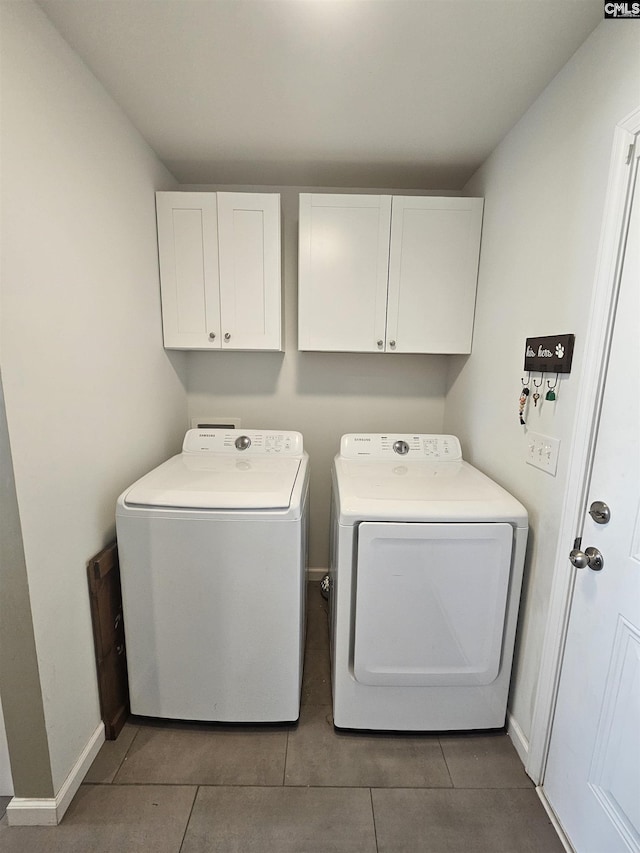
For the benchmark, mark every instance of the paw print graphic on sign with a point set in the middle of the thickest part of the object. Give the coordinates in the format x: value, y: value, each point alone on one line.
x: 559, y: 350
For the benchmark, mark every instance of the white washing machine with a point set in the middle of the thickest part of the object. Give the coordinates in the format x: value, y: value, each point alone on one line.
x: 212, y: 548
x: 426, y: 568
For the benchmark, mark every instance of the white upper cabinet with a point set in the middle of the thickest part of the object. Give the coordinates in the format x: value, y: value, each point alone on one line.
x: 433, y: 272
x: 388, y: 274
x: 250, y: 278
x: 189, y: 282
x: 220, y: 271
x: 342, y: 271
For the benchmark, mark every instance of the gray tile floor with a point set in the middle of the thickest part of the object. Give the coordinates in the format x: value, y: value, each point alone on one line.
x: 185, y: 788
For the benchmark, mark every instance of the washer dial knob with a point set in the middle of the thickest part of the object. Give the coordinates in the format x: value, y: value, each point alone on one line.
x: 243, y: 442
x: 401, y: 447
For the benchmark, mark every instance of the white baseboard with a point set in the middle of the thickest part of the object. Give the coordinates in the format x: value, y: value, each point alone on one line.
x: 49, y: 811
x: 316, y: 574
x: 518, y: 739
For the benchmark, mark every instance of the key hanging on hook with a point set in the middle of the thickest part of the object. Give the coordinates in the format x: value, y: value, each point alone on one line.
x: 524, y: 394
x: 536, y: 393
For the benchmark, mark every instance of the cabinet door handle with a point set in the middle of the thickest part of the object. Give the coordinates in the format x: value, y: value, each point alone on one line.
x: 380, y: 344
x: 227, y: 336
x: 212, y: 336
x: 392, y: 344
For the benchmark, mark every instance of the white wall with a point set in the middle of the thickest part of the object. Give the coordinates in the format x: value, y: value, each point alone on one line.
x: 544, y: 189
x: 6, y: 780
x: 323, y: 395
x: 92, y: 398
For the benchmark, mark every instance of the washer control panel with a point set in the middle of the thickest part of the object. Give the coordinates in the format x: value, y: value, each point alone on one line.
x: 436, y: 448
x: 243, y: 442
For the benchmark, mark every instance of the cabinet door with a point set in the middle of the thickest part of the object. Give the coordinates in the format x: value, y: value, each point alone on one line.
x: 343, y: 265
x: 250, y: 273
x: 188, y: 253
x: 433, y: 269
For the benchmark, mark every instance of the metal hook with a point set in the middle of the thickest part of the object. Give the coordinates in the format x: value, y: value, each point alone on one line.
x: 528, y: 379
x: 538, y: 384
x: 551, y: 387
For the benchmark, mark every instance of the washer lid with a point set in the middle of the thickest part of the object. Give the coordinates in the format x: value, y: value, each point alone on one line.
x: 421, y: 491
x: 218, y: 482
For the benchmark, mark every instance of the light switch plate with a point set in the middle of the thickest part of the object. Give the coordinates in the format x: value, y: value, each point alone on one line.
x: 541, y: 451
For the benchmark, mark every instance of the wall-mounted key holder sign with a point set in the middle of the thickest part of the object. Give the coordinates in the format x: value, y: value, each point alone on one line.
x: 549, y: 354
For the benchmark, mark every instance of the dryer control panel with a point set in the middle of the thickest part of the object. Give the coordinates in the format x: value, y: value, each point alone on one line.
x: 242, y: 442
x: 435, y: 448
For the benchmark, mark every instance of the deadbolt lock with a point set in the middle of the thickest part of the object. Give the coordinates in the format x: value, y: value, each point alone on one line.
x: 600, y: 512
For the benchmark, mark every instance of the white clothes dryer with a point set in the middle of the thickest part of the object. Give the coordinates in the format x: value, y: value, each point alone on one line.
x: 426, y: 568
x: 212, y: 548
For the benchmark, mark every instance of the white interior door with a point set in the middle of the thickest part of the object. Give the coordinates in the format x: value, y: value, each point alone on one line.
x: 592, y: 778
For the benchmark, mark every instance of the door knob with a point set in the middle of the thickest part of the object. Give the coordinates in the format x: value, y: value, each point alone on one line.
x: 590, y: 557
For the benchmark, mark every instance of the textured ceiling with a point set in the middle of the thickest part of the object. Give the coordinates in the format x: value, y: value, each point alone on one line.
x: 385, y: 93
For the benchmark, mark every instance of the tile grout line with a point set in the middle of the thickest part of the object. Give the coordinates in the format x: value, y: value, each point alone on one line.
x: 446, y: 763
x: 373, y: 817
x: 404, y: 787
x: 162, y: 785
x: 286, y: 755
x: 186, y: 826
x: 124, y: 757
